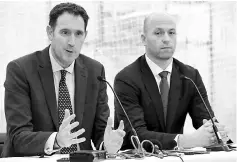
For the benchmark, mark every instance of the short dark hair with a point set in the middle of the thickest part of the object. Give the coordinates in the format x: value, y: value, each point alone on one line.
x: 70, y: 8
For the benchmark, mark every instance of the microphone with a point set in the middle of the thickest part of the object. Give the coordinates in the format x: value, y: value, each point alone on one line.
x: 224, y: 147
x: 100, y: 78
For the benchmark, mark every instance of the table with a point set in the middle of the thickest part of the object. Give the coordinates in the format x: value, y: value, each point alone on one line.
x: 212, y: 157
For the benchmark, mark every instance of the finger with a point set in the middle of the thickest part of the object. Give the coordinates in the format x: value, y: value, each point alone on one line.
x: 222, y: 133
x: 79, y: 140
x: 66, y: 114
x: 74, y: 125
x: 67, y: 120
x: 121, y: 125
x: 214, y: 119
x: 120, y: 133
x: 207, y: 123
x: 204, y: 121
x: 69, y: 128
x: 211, y: 135
x: 213, y: 140
x: 220, y: 128
x: 225, y: 139
x: 209, y: 129
x: 108, y: 128
x: 77, y: 133
x: 117, y: 135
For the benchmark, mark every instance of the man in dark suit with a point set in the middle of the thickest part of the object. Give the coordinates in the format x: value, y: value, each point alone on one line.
x: 53, y: 100
x: 155, y: 96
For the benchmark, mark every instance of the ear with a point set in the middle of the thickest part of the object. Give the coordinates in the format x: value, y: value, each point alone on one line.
x: 143, y: 38
x: 49, y: 31
x: 86, y: 34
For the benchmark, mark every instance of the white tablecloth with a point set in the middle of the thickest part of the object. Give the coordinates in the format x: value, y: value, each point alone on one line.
x: 212, y: 157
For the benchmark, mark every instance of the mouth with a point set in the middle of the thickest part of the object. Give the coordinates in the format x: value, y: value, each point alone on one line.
x: 166, y: 48
x: 69, y: 51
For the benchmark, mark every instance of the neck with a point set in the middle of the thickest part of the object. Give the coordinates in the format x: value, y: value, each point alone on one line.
x: 162, y: 63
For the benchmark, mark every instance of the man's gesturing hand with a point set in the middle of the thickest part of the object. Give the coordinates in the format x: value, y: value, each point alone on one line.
x: 113, y: 139
x: 65, y: 137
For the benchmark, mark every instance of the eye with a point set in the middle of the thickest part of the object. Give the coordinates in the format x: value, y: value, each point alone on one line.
x: 65, y: 32
x: 172, y: 33
x: 79, y: 33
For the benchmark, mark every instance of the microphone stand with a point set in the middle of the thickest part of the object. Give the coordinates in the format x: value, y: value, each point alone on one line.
x: 217, y: 134
x: 139, y: 149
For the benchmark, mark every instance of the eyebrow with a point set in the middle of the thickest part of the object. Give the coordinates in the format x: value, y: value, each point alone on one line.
x: 72, y: 30
x: 163, y: 29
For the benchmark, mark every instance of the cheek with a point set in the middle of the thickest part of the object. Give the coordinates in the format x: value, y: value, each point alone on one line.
x: 174, y: 41
x: 79, y: 44
x: 155, y: 44
x: 58, y: 43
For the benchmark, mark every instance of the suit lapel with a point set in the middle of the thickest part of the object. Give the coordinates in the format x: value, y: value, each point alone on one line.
x: 174, y: 96
x: 152, y: 88
x: 46, y: 77
x: 80, y: 89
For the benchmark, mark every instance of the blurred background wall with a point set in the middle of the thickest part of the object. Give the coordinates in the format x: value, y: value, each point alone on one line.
x: 206, y: 35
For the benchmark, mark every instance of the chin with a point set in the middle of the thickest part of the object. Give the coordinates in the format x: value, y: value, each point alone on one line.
x: 166, y: 56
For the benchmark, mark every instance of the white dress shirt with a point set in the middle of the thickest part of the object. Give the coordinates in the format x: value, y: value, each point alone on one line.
x: 155, y: 69
x: 70, y: 82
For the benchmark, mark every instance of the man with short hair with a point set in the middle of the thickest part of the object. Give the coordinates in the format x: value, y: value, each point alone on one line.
x: 155, y: 96
x: 53, y: 100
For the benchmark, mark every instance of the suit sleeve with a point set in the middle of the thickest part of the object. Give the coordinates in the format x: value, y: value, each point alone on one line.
x: 128, y: 93
x: 20, y: 128
x: 197, y: 110
x: 102, y: 113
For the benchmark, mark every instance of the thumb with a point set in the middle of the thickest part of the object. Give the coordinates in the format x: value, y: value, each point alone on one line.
x: 66, y: 114
x: 204, y: 121
x: 214, y: 119
x: 121, y: 125
x: 108, y: 128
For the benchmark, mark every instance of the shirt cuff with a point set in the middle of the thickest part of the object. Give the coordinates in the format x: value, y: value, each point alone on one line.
x: 49, y: 145
x: 177, y: 141
x: 101, y: 145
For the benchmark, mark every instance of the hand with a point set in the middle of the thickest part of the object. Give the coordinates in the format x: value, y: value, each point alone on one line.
x: 113, y: 139
x: 64, y: 136
x: 203, y: 137
x: 221, y: 129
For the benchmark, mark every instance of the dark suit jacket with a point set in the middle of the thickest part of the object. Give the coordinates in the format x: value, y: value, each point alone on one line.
x: 31, y: 108
x: 139, y: 94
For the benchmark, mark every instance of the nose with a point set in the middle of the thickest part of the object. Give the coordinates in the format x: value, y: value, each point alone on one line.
x: 166, y: 38
x: 71, y: 40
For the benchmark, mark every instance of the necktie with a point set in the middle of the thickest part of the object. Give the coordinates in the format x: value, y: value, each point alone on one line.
x: 64, y: 103
x: 164, y: 91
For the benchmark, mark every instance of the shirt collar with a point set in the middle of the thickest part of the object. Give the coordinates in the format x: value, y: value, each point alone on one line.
x: 56, y: 67
x: 155, y: 69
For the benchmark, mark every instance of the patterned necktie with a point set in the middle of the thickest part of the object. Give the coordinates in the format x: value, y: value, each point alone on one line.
x: 64, y: 103
x: 164, y: 91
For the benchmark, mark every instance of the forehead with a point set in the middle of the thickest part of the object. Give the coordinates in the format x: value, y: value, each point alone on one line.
x: 161, y: 21
x: 70, y: 21
x: 162, y: 26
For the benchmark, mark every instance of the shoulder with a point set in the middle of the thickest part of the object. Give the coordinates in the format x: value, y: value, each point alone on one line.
x: 185, y: 69
x: 27, y: 61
